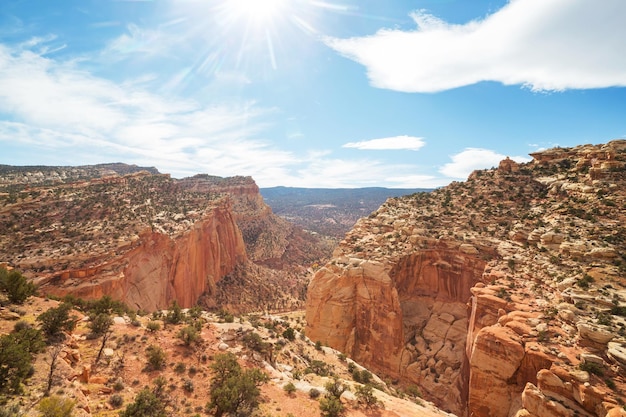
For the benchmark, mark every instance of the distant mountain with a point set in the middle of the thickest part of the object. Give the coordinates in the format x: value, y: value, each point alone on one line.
x: 329, y: 211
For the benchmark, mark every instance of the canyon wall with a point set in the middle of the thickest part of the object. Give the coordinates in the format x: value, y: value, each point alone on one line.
x: 160, y: 268
x: 499, y: 296
x: 147, y: 239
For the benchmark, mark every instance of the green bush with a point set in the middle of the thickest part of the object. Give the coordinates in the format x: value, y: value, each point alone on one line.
x: 56, y: 407
x: 116, y: 400
x: 289, y: 334
x: 289, y: 388
x: 16, y: 286
x: 175, y: 314
x: 153, y: 326
x: 146, y: 404
x: 314, y: 393
x: 56, y: 320
x: 365, y: 396
x: 253, y: 341
x: 189, y: 335
x: 233, y: 390
x: 100, y: 324
x: 592, y: 368
x: 156, y: 358
x: 16, y: 354
x: 331, y: 406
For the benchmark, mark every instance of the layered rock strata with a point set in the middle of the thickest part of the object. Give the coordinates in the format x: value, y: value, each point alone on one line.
x: 148, y: 239
x: 499, y: 296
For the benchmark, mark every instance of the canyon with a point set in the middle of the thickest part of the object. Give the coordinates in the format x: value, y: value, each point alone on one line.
x: 148, y: 240
x: 503, y: 295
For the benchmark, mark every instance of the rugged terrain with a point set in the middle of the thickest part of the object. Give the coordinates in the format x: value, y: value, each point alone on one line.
x: 108, y: 386
x: 503, y: 295
x: 329, y: 212
x: 147, y: 239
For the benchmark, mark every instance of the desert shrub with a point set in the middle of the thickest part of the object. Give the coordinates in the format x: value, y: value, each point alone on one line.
x: 189, y: 335
x: 146, y: 404
x: 314, y: 393
x: 56, y: 320
x: 318, y: 367
x: 331, y: 406
x: 118, y: 385
x: 16, y: 286
x: 253, y: 341
x: 104, y: 305
x: 365, y: 396
x: 116, y: 400
x: 100, y: 324
x: 153, y: 326
x: 11, y: 411
x: 188, y: 385
x: 233, y: 390
x: 585, y: 281
x: 335, y: 388
x: 156, y: 358
x: 289, y: 388
x: 175, y: 314
x: 16, y: 354
x: 56, y: 406
x: 15, y: 365
x: 289, y: 334
x: 363, y: 377
x: 592, y: 368
x: 180, y: 368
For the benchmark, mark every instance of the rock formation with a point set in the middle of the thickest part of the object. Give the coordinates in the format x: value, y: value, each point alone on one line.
x: 499, y: 296
x: 148, y: 239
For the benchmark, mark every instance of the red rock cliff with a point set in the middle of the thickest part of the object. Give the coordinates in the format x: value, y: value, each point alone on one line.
x: 160, y: 268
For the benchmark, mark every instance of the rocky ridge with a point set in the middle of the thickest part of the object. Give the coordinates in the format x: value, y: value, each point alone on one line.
x: 148, y: 239
x: 503, y: 295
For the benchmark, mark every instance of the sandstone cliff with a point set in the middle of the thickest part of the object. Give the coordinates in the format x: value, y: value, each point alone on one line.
x: 149, y: 239
x: 160, y: 268
x: 499, y: 296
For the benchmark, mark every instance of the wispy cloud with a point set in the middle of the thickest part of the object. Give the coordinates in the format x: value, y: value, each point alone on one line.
x: 68, y: 116
x: 404, y: 142
x: 545, y: 45
x: 470, y: 159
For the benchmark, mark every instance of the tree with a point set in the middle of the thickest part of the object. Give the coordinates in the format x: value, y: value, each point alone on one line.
x: 365, y: 396
x: 189, y: 335
x: 54, y: 356
x: 100, y: 326
x: 174, y: 314
x: 146, y: 404
x: 56, y: 320
x: 156, y: 358
x: 289, y: 388
x: 16, y: 353
x: 289, y: 334
x: 234, y: 390
x: 331, y: 405
x: 17, y: 287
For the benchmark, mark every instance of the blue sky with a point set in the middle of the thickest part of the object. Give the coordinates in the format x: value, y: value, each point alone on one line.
x: 308, y: 93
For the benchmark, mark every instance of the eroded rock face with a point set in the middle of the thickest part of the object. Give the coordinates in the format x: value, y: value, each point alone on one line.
x: 408, y: 319
x: 161, y: 268
x: 501, y: 288
x: 148, y: 239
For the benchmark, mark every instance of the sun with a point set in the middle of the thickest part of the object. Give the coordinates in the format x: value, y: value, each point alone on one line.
x: 258, y: 11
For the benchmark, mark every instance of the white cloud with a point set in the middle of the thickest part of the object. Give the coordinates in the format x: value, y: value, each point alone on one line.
x: 57, y: 114
x: 545, y: 45
x: 470, y: 159
x: 404, y: 142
